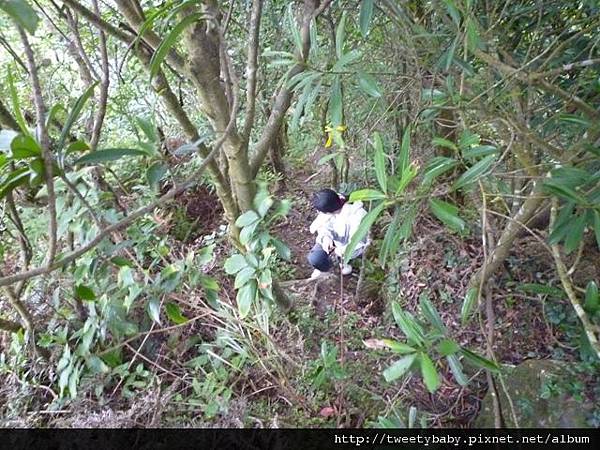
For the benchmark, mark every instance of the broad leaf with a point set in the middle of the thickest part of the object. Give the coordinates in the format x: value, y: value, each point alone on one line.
x: 84, y: 293
x: 366, y: 194
x: 245, y: 297
x: 430, y: 374
x: 22, y: 13
x: 174, y: 313
x: 234, y: 264
x: 592, y: 301
x: 247, y: 218
x: 368, y: 84
x: 399, y: 368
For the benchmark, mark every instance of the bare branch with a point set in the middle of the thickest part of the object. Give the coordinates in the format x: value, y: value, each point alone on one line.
x: 251, y: 70
x: 102, y: 101
x: 44, y: 139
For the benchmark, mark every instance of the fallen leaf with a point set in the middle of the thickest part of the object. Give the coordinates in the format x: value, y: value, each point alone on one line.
x: 328, y: 411
x: 375, y: 344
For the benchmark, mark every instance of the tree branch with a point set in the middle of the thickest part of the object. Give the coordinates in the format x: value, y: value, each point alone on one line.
x: 103, y: 86
x: 589, y: 328
x: 44, y: 139
x: 284, y: 96
x: 6, y: 118
x: 251, y: 70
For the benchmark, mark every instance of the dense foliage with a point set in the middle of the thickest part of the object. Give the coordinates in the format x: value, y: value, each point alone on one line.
x: 156, y: 160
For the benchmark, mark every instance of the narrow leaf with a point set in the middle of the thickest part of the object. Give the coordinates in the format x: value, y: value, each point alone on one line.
x: 447, y: 213
x: 363, y: 229
x: 165, y: 46
x: 474, y: 172
x: 366, y: 13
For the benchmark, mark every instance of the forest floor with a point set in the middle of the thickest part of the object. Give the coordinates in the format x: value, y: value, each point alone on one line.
x: 294, y: 381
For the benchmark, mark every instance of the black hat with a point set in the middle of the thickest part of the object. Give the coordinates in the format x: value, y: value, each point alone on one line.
x: 319, y: 259
x: 327, y: 201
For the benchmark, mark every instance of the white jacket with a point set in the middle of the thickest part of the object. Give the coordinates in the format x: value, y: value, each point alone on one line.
x: 338, y: 228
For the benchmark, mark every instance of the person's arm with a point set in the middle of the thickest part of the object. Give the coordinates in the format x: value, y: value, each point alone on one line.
x: 324, y: 238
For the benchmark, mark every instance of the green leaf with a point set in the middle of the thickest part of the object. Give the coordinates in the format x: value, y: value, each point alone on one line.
x: 436, y: 167
x: 430, y: 374
x: 346, y: 59
x: 592, y: 301
x: 366, y: 194
x: 474, y: 172
x: 479, y: 361
x: 441, y: 142
x: 243, y: 276
x: 408, y: 324
x: 575, y: 233
x: 77, y: 146
x: 541, y: 289
x: 562, y: 223
x: 155, y: 173
x: 448, y: 214
x: 121, y: 261
x: 165, y: 46
x: 24, y: 146
x: 247, y: 233
x: 404, y: 155
x: 154, y: 309
x: 174, y: 313
x: 336, y: 102
x: 473, y: 38
x: 366, y: 13
x: 368, y: 84
x: 479, y: 151
x: 340, y: 35
x: 556, y: 187
x: 597, y: 226
x: 22, y: 13
x: 15, y: 179
x: 457, y: 369
x: 447, y: 347
x: 468, y: 304
x: 14, y: 96
x: 431, y: 313
x: 84, y: 293
x: 399, y: 368
x: 147, y: 128
x: 74, y: 115
x: 391, y: 235
x: 283, y: 250
x: 247, y: 218
x: 107, y: 154
x: 245, y: 297
x: 234, y: 264
x: 408, y: 174
x: 453, y: 11
x: 379, y: 159
x: 398, y: 347
x: 362, y: 230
